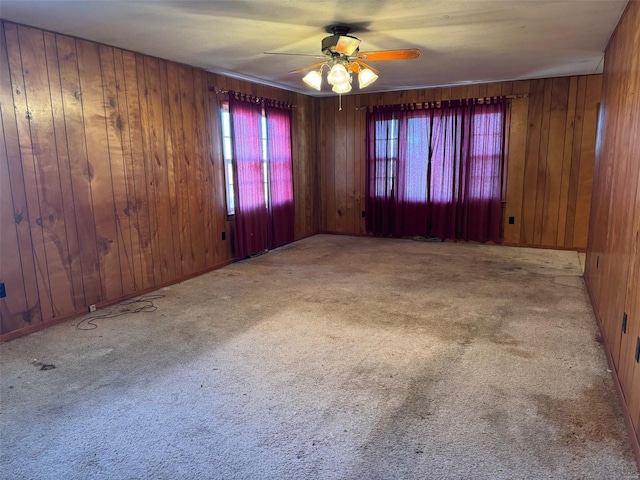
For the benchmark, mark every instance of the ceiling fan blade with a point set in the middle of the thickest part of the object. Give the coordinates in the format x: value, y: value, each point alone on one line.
x: 295, y: 54
x: 389, y: 55
x: 308, y: 67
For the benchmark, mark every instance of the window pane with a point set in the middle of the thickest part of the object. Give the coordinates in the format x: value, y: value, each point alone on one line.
x: 227, y: 152
x: 386, y: 156
x: 226, y: 128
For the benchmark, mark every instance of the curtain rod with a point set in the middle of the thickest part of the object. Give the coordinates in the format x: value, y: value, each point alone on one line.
x: 258, y: 99
x: 509, y: 97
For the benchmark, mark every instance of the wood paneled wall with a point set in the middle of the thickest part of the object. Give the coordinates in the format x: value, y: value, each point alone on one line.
x: 111, y: 174
x: 613, y: 256
x: 552, y: 135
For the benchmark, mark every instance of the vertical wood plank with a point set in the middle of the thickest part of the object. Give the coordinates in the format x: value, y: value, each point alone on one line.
x: 130, y: 211
x: 566, y: 162
x: 21, y: 214
x: 350, y: 208
x: 473, y: 91
x: 73, y: 260
x: 155, y: 76
x: 555, y: 156
x: 322, y: 174
x: 359, y: 154
x: 121, y: 212
x: 148, y: 159
x: 28, y: 171
x: 506, y: 88
x: 459, y: 92
x: 330, y: 164
x: 95, y: 124
x: 542, y: 163
x: 190, y: 168
x: 176, y: 175
x: 14, y: 306
x: 80, y: 170
x: 45, y: 169
x: 585, y: 177
x: 536, y: 105
x: 516, y: 162
x: 340, y: 169
x: 203, y: 171
x: 493, y: 90
x: 572, y: 193
x: 137, y: 167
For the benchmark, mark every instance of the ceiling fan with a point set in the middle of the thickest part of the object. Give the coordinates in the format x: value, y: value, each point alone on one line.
x: 344, y: 57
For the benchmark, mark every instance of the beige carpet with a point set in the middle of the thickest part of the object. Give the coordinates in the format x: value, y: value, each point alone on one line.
x: 332, y: 358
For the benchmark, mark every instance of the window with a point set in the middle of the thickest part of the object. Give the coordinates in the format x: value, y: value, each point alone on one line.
x: 386, y: 157
x: 227, y: 151
x: 259, y: 172
x: 485, y: 168
x: 437, y: 171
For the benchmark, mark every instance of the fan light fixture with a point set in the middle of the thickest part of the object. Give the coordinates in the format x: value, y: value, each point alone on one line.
x: 366, y: 77
x: 339, y: 76
x: 344, y: 58
x: 344, y: 87
x: 314, y: 79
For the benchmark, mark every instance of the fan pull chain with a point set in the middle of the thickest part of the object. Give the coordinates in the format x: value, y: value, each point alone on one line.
x: 340, y: 102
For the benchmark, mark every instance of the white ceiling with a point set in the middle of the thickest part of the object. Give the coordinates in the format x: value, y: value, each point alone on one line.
x: 462, y: 41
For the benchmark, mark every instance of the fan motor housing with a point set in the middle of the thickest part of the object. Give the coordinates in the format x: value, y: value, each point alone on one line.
x: 330, y: 43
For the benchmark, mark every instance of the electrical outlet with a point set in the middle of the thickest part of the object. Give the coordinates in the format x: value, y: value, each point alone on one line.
x: 92, y: 308
x: 512, y: 220
x: 224, y: 235
x: 3, y: 291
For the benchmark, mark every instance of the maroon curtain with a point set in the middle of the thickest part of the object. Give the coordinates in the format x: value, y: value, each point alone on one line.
x: 382, y: 153
x: 480, y: 194
x: 413, y: 165
x: 442, y: 177
x: 282, y: 212
x: 444, y: 172
x: 397, y: 170
x: 250, y: 208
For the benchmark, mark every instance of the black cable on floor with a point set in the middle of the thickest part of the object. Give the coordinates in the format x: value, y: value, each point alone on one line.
x: 145, y: 304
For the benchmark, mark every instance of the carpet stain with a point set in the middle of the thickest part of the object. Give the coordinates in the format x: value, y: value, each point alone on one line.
x: 519, y: 353
x: 501, y: 338
x: 583, y: 421
x: 487, y: 328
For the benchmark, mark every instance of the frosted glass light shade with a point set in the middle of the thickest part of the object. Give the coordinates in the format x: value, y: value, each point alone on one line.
x: 338, y: 75
x: 343, y: 87
x: 313, y: 79
x: 366, y: 77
